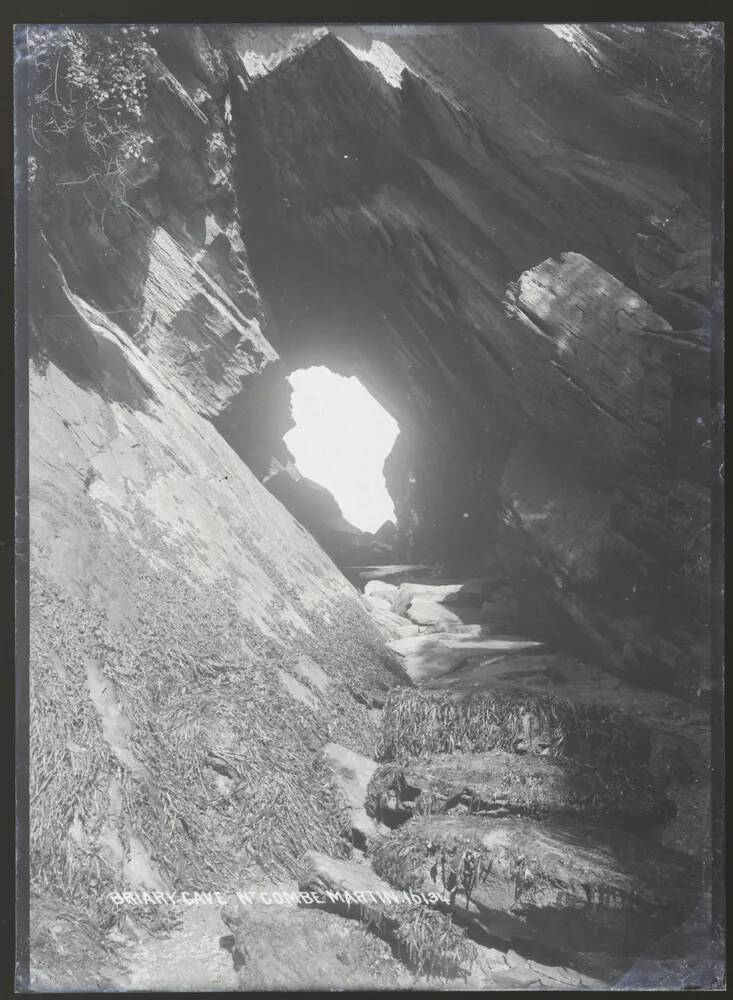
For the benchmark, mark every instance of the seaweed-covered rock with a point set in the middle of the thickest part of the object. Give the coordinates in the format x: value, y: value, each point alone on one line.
x: 582, y: 891
x: 427, y: 938
x: 425, y: 722
x: 497, y: 783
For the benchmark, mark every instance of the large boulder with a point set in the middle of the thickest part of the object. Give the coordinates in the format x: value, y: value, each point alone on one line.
x: 582, y: 891
x: 422, y: 722
x: 497, y: 783
x: 679, y: 734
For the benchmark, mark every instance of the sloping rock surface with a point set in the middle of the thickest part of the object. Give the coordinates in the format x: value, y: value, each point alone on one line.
x: 172, y: 594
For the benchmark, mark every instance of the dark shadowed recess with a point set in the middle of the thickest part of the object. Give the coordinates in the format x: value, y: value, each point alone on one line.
x: 384, y: 227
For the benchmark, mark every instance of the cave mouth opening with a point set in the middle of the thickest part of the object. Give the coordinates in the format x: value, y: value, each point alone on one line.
x: 341, y: 438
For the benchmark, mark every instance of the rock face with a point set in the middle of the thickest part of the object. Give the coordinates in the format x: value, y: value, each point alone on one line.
x: 574, y: 322
x: 584, y: 489
x: 529, y: 295
x: 396, y: 235
x: 519, y: 880
x: 525, y: 286
x: 170, y: 590
x: 171, y: 593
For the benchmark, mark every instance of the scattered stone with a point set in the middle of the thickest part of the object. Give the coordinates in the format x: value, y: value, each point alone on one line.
x: 309, y: 670
x: 298, y: 691
x: 447, y: 630
x: 424, y: 612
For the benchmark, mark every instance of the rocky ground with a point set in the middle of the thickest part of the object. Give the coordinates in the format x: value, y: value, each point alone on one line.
x: 561, y: 836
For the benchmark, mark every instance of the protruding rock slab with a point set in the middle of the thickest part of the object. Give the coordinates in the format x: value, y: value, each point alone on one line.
x: 352, y: 773
x: 574, y: 322
x: 425, y: 937
x: 425, y: 656
x: 504, y: 784
x: 432, y: 655
x: 574, y: 889
x: 447, y: 593
x: 420, y: 723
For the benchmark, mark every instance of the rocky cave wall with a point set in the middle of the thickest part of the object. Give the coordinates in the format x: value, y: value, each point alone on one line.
x: 509, y: 244
x: 178, y: 612
x: 506, y: 238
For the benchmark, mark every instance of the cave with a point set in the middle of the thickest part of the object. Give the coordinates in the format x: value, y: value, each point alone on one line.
x: 341, y: 438
x: 374, y: 445
x: 388, y: 238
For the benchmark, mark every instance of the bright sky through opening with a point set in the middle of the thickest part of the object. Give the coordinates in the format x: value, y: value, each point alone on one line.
x: 341, y: 438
